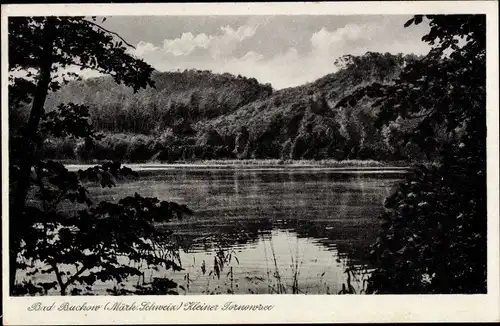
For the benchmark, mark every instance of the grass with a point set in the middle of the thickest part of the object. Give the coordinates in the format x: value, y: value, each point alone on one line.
x: 324, y: 162
x: 277, y: 283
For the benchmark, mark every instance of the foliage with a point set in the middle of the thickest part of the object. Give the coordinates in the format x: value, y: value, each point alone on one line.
x: 73, y: 43
x: 105, y: 241
x: 102, y: 241
x: 433, y: 239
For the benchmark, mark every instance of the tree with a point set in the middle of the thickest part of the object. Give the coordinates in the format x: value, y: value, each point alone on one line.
x: 105, y: 241
x: 433, y: 239
x: 96, y: 237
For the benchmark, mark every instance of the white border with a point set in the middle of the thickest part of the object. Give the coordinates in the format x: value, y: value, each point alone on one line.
x: 287, y: 308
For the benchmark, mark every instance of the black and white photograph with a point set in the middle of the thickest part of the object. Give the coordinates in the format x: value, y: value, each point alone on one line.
x: 248, y: 154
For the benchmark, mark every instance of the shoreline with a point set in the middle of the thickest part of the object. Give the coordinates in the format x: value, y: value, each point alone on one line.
x: 332, y: 165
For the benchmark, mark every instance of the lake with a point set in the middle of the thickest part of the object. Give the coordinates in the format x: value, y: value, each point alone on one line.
x: 299, y: 230
x: 285, y: 226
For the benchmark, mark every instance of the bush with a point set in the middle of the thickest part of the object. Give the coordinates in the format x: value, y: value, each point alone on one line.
x: 59, y: 148
x: 433, y: 238
x: 140, y: 148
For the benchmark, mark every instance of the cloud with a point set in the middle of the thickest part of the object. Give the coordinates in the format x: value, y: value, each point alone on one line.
x: 223, y: 45
x: 252, y: 56
x: 290, y: 68
x: 324, y: 40
x: 144, y: 48
x: 237, y: 50
x: 185, y: 44
x: 219, y: 45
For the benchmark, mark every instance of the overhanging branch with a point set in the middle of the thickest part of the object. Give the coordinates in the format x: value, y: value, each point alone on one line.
x: 110, y: 32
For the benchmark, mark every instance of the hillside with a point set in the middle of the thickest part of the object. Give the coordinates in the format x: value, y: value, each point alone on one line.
x: 192, y: 95
x: 201, y: 115
x: 302, y: 123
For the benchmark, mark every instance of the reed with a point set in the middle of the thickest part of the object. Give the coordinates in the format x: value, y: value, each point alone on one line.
x: 277, y: 162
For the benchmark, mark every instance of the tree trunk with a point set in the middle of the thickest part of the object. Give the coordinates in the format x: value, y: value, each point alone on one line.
x: 28, y: 148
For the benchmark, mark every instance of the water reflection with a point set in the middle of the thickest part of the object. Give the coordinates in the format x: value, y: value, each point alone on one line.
x: 323, y: 219
x: 274, y: 263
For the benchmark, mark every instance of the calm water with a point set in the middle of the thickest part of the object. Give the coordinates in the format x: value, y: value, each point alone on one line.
x: 281, y: 226
x: 311, y: 223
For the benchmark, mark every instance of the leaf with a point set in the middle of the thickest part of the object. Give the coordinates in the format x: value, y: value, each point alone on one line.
x: 409, y: 22
x: 418, y: 19
x: 216, y: 268
x: 203, y: 267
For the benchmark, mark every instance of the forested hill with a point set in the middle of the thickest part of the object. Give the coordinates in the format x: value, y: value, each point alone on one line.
x: 200, y: 115
x: 302, y: 123
x: 192, y: 95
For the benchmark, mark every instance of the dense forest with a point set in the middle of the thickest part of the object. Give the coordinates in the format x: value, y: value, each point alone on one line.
x: 201, y: 115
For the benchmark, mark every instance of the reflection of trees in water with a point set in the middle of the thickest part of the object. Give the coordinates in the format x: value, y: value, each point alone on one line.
x: 351, y: 242
x: 208, y: 235
x: 341, y: 215
x: 235, y: 207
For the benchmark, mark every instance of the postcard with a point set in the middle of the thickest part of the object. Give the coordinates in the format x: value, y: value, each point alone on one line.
x: 250, y: 162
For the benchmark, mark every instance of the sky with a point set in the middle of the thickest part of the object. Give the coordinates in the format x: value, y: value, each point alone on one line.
x: 283, y: 50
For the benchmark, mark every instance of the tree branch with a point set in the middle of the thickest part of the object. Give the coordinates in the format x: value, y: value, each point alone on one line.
x: 39, y: 181
x: 58, y: 276
x: 93, y: 68
x: 78, y: 273
x: 110, y: 32
x: 84, y: 268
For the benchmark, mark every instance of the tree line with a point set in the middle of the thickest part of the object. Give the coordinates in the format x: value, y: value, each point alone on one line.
x: 199, y: 115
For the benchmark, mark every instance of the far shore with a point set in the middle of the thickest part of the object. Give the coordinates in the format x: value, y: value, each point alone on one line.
x: 344, y: 165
